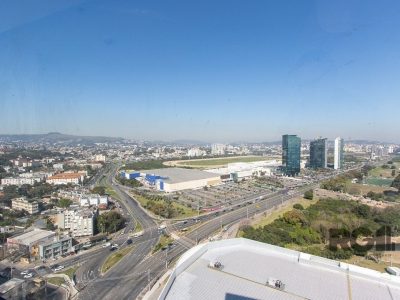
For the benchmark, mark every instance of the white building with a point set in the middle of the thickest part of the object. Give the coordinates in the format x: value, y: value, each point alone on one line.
x: 245, y: 269
x: 93, y: 199
x: 176, y: 179
x: 32, y: 207
x: 338, y: 155
x: 65, y: 178
x: 218, y: 149
x: 80, y: 222
x: 20, y: 180
x: 194, y: 152
x: 100, y: 158
x: 58, y: 167
x: 246, y: 170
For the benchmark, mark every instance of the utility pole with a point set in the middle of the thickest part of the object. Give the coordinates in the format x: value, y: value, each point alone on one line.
x: 148, y: 278
x: 166, y: 258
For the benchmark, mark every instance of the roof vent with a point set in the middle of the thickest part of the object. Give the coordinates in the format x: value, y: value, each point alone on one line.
x: 215, y: 265
x: 275, y: 283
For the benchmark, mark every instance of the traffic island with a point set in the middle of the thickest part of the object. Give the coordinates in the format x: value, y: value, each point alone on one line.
x: 114, y: 258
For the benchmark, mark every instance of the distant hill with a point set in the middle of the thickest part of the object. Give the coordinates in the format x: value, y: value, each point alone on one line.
x: 58, y: 138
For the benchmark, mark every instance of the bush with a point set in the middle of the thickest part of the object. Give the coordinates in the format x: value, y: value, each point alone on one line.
x: 309, y: 194
x: 298, y: 206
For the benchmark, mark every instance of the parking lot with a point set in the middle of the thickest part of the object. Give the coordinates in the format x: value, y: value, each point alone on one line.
x: 230, y: 193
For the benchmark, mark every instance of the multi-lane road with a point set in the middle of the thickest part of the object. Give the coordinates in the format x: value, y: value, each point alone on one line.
x: 129, y: 278
x: 132, y: 275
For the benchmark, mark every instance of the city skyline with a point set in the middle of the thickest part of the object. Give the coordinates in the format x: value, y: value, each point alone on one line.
x: 204, y: 71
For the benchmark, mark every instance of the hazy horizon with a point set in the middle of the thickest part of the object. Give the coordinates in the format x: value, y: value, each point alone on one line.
x: 209, y: 71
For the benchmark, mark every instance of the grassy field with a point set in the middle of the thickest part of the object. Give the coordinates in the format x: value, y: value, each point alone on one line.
x: 268, y: 219
x: 215, y: 162
x: 384, y: 182
x: 70, y: 272
x: 364, y: 189
x: 385, y: 173
x: 164, y: 241
x: 115, y: 258
x: 184, y: 211
x: 366, y: 263
x: 56, y: 281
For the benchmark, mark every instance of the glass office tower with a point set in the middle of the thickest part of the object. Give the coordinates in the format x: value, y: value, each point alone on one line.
x: 319, y: 154
x: 291, y: 148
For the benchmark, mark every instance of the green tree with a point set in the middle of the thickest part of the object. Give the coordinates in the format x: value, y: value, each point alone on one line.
x: 309, y: 194
x: 64, y: 203
x: 110, y: 222
x: 396, y: 183
x: 101, y: 190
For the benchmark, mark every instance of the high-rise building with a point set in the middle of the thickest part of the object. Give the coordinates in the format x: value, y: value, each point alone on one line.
x: 218, y: 149
x: 291, y: 154
x: 319, y: 154
x: 338, y: 159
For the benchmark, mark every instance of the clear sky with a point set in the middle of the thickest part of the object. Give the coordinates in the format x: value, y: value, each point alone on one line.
x: 211, y: 70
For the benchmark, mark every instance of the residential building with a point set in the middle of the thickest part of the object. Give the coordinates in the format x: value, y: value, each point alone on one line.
x: 20, y: 180
x: 80, y: 222
x: 291, y: 154
x: 218, y: 149
x: 93, y: 199
x: 319, y: 154
x: 55, y: 248
x: 193, y: 152
x: 100, y: 158
x: 66, y: 178
x: 31, y: 206
x: 338, y: 153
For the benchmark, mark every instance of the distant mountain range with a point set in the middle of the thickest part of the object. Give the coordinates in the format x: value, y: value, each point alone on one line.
x: 58, y: 138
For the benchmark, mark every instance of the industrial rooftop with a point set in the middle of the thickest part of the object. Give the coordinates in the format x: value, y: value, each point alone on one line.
x: 245, y: 269
x: 32, y: 236
x: 177, y: 175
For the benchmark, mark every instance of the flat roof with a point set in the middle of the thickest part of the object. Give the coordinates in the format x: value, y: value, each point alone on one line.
x: 10, y: 284
x: 33, y: 236
x: 177, y: 175
x: 247, y: 266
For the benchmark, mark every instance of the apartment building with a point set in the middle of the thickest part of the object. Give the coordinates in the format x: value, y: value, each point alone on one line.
x: 20, y: 180
x: 31, y: 206
x: 80, y: 222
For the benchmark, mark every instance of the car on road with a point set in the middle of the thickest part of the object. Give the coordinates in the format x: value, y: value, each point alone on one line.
x: 138, y: 234
x: 25, y: 272
x: 129, y: 241
x: 57, y: 268
x: 106, y: 245
x: 29, y: 275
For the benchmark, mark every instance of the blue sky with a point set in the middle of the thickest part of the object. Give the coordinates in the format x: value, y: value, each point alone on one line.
x: 207, y: 70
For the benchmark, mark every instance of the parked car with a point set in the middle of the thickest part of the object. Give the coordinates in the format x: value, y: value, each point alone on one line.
x: 29, y: 275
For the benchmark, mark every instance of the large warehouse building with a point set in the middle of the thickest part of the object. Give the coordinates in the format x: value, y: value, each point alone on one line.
x: 245, y: 269
x: 175, y: 179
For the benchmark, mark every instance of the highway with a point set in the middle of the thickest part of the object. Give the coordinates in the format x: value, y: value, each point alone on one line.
x: 129, y: 278
x: 89, y: 271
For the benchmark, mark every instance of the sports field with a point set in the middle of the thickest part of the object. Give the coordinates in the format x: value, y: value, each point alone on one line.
x: 216, y: 162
